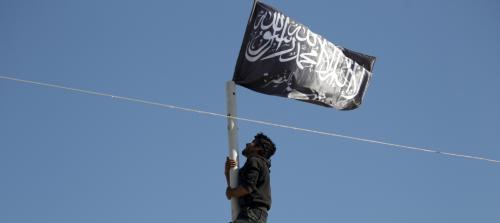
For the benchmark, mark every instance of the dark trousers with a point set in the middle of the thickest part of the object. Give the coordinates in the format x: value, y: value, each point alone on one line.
x: 251, y: 215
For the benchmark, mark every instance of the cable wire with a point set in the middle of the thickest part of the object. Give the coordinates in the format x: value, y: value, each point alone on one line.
x: 136, y: 100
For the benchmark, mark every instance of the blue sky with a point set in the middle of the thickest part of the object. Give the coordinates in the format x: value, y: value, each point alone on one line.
x: 72, y: 157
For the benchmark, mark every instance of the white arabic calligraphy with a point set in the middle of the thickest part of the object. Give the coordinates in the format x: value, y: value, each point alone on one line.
x: 277, y: 36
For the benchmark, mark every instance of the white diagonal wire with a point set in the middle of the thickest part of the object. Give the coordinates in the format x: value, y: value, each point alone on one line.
x: 136, y: 100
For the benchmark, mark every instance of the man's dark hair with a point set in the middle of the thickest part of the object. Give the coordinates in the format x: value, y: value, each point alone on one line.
x: 265, y: 143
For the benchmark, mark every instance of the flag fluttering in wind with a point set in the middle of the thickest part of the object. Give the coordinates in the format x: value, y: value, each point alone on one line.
x: 284, y: 58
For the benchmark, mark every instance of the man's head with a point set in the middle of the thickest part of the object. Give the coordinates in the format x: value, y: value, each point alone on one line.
x: 261, y: 145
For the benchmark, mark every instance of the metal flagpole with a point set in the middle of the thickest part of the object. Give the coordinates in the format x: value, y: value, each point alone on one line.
x: 232, y: 131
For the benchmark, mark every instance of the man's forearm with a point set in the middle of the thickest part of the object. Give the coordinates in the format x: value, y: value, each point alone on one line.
x: 238, y: 192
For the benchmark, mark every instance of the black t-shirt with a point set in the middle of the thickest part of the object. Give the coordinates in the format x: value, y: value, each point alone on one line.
x: 254, y: 176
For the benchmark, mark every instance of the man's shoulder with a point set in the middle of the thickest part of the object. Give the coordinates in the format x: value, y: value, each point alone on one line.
x: 257, y: 161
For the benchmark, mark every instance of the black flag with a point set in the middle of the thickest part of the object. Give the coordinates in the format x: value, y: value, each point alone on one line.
x: 281, y: 57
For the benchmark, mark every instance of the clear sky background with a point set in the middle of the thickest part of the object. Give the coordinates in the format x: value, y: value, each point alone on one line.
x: 72, y: 157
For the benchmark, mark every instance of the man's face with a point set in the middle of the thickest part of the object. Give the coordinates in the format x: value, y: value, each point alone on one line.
x: 251, y: 149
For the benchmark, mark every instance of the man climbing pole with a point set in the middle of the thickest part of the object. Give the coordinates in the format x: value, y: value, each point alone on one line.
x: 254, y: 184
